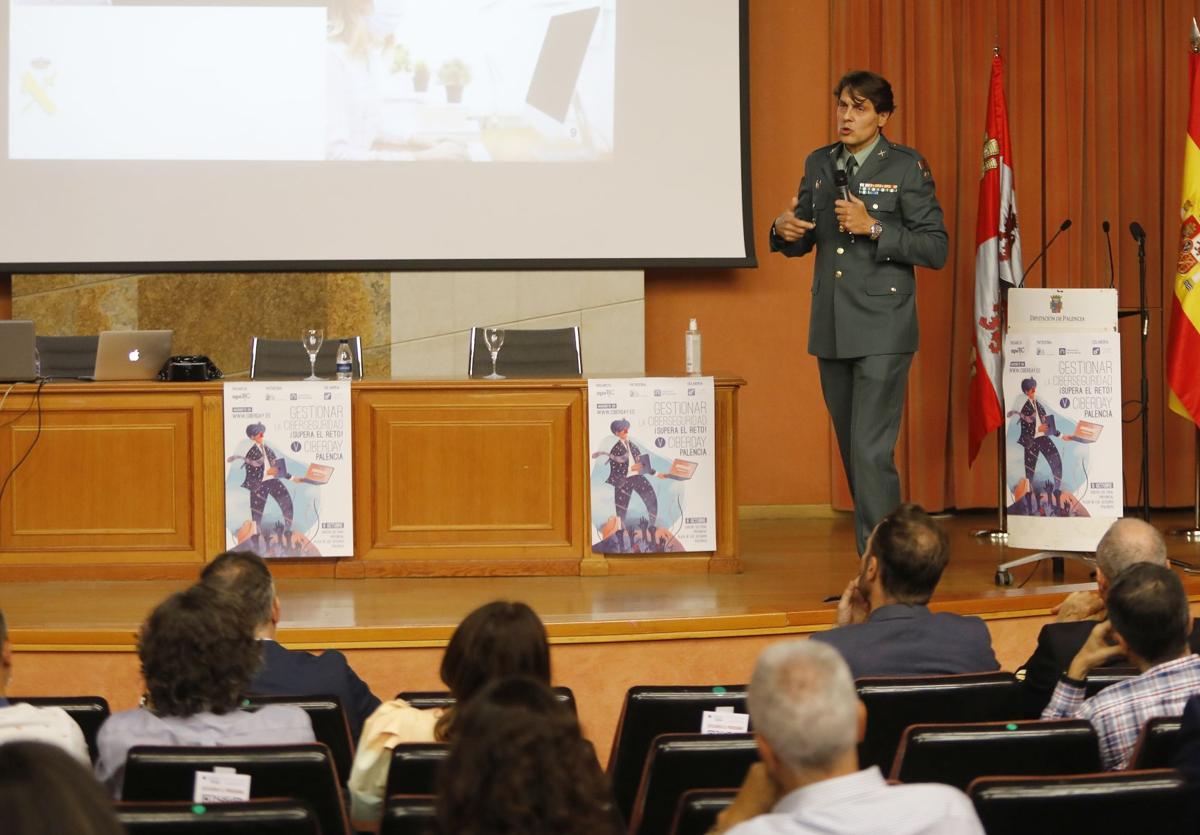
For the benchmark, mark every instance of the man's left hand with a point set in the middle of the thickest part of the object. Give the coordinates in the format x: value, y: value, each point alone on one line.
x: 1097, y: 651
x: 852, y: 216
x: 757, y: 796
x: 852, y: 607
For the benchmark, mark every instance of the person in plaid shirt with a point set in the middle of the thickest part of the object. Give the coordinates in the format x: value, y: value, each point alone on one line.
x: 1148, y: 623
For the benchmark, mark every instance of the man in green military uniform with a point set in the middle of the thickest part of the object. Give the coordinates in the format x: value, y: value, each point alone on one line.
x: 863, y: 329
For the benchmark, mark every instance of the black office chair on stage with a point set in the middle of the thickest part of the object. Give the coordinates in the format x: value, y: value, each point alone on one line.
x: 329, y: 725
x: 679, y: 762
x: 894, y: 703
x: 551, y: 352
x: 957, y: 754
x: 286, y: 359
x: 254, y: 817
x: 301, y: 772
x: 89, y: 712
x: 649, y: 711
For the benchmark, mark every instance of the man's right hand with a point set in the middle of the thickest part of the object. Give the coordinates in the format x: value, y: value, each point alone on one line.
x: 791, y: 228
x: 1078, y: 605
x: 1098, y: 650
x: 852, y: 606
x: 757, y: 796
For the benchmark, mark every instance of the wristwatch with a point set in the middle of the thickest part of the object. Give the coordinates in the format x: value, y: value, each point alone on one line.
x: 876, y: 230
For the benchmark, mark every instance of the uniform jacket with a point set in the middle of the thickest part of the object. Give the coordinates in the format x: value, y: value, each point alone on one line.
x: 909, y: 640
x: 864, y: 291
x: 287, y: 672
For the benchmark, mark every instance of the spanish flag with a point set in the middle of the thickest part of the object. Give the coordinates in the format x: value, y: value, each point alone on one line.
x: 1183, y: 342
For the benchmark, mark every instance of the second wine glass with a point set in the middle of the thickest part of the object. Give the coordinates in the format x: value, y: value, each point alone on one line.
x: 312, y: 339
x: 493, y: 338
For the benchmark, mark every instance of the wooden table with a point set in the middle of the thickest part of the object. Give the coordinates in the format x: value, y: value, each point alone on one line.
x: 451, y: 477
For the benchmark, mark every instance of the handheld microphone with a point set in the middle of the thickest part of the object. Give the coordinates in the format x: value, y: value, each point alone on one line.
x: 1112, y: 274
x: 842, y: 181
x: 1063, y: 227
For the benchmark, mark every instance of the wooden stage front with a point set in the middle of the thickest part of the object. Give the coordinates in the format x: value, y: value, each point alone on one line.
x: 608, y: 633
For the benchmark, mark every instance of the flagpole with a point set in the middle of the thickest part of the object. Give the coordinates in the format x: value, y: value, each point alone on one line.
x: 999, y: 533
x: 1192, y: 534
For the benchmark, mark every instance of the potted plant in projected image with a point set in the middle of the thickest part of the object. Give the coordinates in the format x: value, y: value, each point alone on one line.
x: 454, y: 74
x: 402, y: 59
x: 420, y: 77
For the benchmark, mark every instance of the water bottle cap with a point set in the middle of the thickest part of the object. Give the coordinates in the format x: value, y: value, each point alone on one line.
x: 692, y: 324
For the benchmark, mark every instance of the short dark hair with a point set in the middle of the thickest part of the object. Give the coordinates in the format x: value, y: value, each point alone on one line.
x: 521, y: 764
x: 245, y: 574
x: 497, y: 640
x: 912, y: 551
x: 43, y: 789
x: 864, y: 84
x: 619, y: 425
x: 1027, y: 384
x: 198, y: 652
x: 1148, y: 607
x: 255, y: 429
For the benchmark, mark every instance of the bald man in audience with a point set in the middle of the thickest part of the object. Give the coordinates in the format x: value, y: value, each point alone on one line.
x: 884, y: 625
x: 25, y: 723
x: 287, y: 672
x: 1148, y: 624
x: 1127, y: 542
x: 808, y: 721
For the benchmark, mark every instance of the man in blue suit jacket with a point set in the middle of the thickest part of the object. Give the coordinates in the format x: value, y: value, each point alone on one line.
x: 884, y: 627
x: 288, y: 672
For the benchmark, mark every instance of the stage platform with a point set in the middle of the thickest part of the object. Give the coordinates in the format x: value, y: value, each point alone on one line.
x: 608, y: 633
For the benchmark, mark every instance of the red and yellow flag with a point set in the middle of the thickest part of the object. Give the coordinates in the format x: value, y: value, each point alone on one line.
x: 1183, y: 341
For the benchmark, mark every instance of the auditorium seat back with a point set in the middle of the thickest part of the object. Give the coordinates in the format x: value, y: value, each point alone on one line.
x: 256, y: 817
x: 329, y: 725
x: 429, y: 699
x: 528, y: 352
x: 89, y: 712
x: 414, y: 767
x: 957, y: 754
x: 1113, y: 803
x: 1103, y: 677
x: 302, y: 772
x: 678, y: 762
x: 650, y: 711
x: 894, y: 703
x: 698, y: 810
x: 409, y: 814
x: 1158, y: 743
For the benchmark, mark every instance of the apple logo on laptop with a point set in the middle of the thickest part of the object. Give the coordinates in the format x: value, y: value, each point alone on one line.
x: 135, y: 355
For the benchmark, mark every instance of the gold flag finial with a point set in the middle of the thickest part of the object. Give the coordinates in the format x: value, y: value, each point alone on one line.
x: 1195, y: 36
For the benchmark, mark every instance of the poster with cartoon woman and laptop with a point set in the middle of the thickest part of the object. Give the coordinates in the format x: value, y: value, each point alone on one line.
x: 653, y: 482
x: 288, y: 490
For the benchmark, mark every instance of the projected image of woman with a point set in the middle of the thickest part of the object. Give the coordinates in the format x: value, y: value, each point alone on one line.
x: 358, y: 61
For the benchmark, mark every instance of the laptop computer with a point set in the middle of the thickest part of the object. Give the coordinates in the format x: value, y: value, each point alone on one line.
x: 132, y: 355
x: 17, y: 357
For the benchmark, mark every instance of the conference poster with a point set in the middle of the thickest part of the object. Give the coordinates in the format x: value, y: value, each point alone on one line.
x: 1062, y: 406
x: 652, y: 478
x: 288, y: 487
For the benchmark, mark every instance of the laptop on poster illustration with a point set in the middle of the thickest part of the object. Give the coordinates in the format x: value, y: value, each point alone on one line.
x: 317, y: 474
x: 17, y: 346
x: 132, y: 355
x: 682, y: 469
x: 1087, y: 432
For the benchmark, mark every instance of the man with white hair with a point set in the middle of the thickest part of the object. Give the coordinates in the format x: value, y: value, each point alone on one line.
x: 808, y: 721
x: 1127, y: 542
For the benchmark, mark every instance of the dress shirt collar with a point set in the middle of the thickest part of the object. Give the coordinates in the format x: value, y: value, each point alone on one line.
x: 899, y: 611
x: 836, y: 790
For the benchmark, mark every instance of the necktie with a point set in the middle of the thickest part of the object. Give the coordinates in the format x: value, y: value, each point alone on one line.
x: 851, y: 166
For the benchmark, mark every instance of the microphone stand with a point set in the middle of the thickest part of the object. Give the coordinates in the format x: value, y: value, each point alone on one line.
x: 1144, y: 318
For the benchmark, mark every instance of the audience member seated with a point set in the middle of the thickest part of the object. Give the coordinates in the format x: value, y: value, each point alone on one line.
x: 884, y: 627
x: 198, y: 654
x: 22, y: 722
x: 45, y: 791
x: 287, y: 672
x: 1148, y: 624
x: 520, y: 764
x: 1187, y: 758
x: 1128, y: 541
x: 497, y: 640
x: 808, y: 719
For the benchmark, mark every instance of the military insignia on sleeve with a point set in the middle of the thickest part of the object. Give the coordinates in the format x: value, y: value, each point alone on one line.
x: 924, y: 167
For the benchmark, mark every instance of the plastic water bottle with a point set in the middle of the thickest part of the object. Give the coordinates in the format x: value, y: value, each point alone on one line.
x: 691, y: 349
x: 344, y: 362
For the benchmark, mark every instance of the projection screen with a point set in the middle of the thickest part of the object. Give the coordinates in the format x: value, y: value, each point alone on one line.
x: 373, y: 134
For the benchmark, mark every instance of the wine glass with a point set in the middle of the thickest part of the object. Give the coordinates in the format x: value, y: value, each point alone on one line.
x: 493, y: 338
x: 311, y: 339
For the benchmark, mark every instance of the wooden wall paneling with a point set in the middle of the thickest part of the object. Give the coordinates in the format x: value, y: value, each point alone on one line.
x: 126, y: 469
